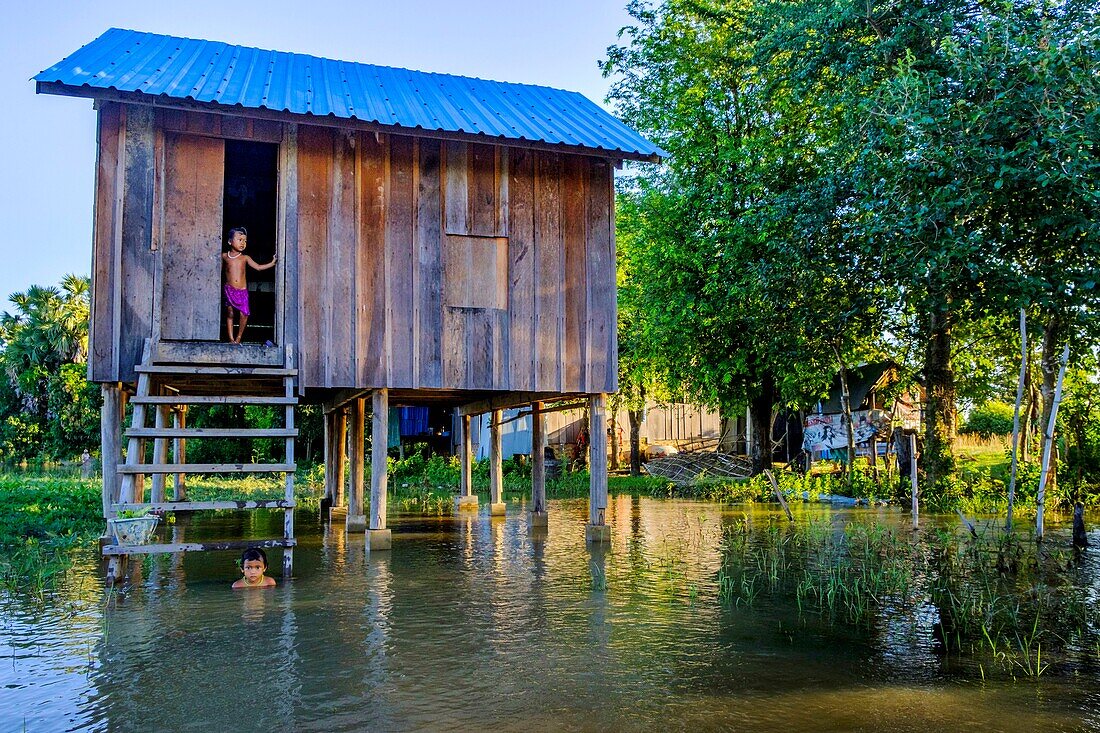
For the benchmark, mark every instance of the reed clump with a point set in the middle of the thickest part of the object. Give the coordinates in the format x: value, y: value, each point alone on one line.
x: 996, y: 596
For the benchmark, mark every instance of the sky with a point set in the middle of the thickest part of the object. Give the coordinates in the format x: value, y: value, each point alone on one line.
x: 48, y: 142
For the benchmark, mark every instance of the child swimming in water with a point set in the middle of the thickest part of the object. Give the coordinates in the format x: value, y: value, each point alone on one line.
x: 253, y: 566
x: 235, y: 266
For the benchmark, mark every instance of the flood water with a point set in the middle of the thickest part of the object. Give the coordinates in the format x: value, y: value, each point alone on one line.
x: 474, y: 623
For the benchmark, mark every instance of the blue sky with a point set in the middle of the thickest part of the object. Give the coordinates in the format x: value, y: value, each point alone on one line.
x: 46, y: 177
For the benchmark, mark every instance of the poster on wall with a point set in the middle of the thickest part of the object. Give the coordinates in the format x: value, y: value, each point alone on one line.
x: 826, y: 432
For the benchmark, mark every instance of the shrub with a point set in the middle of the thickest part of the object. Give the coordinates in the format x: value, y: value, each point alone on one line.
x: 992, y: 418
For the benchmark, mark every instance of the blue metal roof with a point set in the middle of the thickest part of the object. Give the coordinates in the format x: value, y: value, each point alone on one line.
x: 222, y: 74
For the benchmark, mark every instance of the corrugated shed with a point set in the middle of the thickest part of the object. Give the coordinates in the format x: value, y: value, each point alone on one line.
x: 225, y: 75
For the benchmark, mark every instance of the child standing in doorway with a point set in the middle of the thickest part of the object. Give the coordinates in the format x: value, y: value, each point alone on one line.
x: 235, y: 267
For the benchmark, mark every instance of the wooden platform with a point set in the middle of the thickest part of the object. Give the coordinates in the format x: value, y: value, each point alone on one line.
x: 119, y: 550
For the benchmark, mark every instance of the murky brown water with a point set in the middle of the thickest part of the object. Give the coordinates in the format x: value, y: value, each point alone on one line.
x: 471, y: 623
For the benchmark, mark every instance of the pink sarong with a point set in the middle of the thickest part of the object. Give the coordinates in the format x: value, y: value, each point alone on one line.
x: 236, y: 298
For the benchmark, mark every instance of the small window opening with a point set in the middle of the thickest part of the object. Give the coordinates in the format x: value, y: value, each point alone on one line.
x: 251, y: 201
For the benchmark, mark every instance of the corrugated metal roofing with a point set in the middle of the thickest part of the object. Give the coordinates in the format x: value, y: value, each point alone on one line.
x: 226, y: 75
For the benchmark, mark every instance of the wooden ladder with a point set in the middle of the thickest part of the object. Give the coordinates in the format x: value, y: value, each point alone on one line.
x: 165, y: 386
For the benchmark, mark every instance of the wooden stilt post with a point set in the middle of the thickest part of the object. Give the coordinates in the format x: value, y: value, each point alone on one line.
x: 340, y: 459
x: 537, y: 514
x: 160, y: 454
x: 179, y: 453
x: 327, y: 423
x: 110, y: 430
x: 357, y: 521
x: 467, y: 499
x: 496, y: 466
x: 597, y: 531
x: 378, y: 537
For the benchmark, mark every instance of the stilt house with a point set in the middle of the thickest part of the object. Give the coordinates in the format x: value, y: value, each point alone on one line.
x: 439, y: 240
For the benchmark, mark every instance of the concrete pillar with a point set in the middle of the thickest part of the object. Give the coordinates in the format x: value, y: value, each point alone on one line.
x: 179, y: 454
x: 466, y: 499
x: 356, y: 521
x: 160, y: 453
x: 110, y: 443
x: 496, y: 467
x: 597, y: 530
x: 378, y: 537
x: 537, y: 514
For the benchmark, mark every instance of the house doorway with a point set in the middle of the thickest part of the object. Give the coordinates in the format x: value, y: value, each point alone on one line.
x: 250, y: 200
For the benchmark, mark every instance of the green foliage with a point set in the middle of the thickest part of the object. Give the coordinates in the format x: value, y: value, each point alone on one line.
x: 992, y: 418
x: 48, y: 509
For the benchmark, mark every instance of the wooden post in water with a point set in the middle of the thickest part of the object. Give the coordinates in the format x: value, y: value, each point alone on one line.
x: 537, y: 514
x: 340, y: 459
x: 327, y: 422
x: 110, y: 443
x: 913, y: 476
x: 496, y: 467
x: 1048, y: 446
x: 160, y: 454
x: 179, y: 454
x: 357, y: 521
x: 597, y: 531
x: 378, y: 536
x: 466, y: 499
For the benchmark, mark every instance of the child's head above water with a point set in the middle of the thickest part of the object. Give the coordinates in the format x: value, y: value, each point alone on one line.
x: 253, y: 567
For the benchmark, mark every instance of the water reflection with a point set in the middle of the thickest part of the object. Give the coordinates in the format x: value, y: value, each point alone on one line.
x: 479, y: 622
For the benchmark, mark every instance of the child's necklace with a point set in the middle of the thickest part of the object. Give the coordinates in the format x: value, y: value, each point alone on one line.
x: 231, y: 256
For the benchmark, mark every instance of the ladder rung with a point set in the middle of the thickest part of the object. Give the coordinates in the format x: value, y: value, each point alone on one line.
x: 195, y: 546
x: 225, y: 371
x: 151, y: 468
x: 212, y: 400
x: 198, y: 506
x: 211, y: 433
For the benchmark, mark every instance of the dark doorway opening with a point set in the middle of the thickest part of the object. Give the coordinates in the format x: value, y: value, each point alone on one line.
x: 251, y: 201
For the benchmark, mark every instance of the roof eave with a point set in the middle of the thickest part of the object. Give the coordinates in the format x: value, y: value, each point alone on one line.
x: 165, y: 102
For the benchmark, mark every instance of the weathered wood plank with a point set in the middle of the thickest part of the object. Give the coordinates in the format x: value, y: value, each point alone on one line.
x: 102, y: 338
x: 213, y: 400
x: 548, y: 272
x: 455, y: 192
x: 137, y: 270
x: 521, y: 272
x: 601, y: 341
x: 483, y: 190
x: 314, y: 190
x: 226, y: 354
x: 475, y: 272
x: 453, y: 346
x: 370, y: 277
x: 226, y: 126
x: 196, y: 546
x: 430, y: 266
x: 153, y: 468
x: 202, y: 506
x: 479, y: 348
x: 210, y: 433
x: 399, y: 263
x: 190, y: 248
x: 338, y: 298
x: 288, y: 182
x: 227, y: 371
x: 110, y: 428
x: 575, y: 252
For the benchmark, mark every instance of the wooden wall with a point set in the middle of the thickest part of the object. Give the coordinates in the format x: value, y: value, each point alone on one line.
x: 410, y: 263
